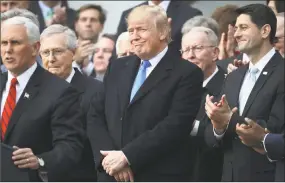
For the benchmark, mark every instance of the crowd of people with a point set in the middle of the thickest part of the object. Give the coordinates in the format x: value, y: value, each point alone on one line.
x: 172, y: 96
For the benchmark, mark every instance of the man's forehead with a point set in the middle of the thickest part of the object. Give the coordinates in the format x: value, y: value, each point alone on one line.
x: 243, y: 19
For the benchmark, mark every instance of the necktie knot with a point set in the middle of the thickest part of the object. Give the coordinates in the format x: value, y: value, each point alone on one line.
x: 145, y: 64
x: 253, y: 70
x: 14, y: 81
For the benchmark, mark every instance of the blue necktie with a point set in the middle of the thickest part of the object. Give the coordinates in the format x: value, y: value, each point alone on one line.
x: 140, y: 78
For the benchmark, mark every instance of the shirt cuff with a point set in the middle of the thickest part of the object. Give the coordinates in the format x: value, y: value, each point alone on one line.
x: 219, y: 134
x: 195, y: 128
x: 271, y: 160
x: 88, y: 69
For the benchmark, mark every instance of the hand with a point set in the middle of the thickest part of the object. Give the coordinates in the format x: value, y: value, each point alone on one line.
x: 25, y: 158
x: 252, y: 135
x: 231, y: 42
x: 59, y: 16
x: 237, y: 63
x: 114, y: 161
x: 124, y: 175
x: 83, y: 50
x: 231, y: 68
x: 219, y: 113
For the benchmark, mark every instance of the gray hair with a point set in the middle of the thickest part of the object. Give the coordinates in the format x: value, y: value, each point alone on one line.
x: 201, y: 21
x: 122, y: 37
x: 16, y: 12
x: 71, y: 39
x: 32, y: 29
x: 158, y: 15
x: 212, y: 37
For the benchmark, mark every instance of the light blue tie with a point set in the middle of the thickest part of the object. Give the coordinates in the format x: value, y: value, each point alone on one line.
x: 140, y: 78
x: 247, y: 88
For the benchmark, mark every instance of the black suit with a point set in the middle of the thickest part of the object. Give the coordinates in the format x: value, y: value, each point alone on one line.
x: 70, y: 15
x: 48, y: 122
x: 265, y: 103
x: 85, y: 170
x: 152, y: 130
x: 209, y: 161
x: 178, y: 11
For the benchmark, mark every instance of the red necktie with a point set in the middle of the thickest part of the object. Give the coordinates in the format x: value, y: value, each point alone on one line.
x: 8, y: 107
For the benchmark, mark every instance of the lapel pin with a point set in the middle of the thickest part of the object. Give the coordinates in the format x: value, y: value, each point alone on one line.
x: 27, y: 95
x: 264, y: 73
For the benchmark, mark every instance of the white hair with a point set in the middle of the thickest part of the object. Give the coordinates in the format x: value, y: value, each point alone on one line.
x: 122, y: 37
x: 211, y: 36
x: 32, y: 29
x: 70, y: 36
x: 16, y: 12
x: 201, y: 21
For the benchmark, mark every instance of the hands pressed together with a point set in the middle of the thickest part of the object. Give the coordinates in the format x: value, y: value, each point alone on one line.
x: 115, y: 164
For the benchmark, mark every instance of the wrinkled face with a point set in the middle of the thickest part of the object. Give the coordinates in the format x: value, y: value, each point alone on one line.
x: 271, y: 4
x: 248, y: 36
x: 103, y: 53
x: 17, y: 53
x: 279, y: 44
x: 145, y: 38
x: 57, y: 58
x: 125, y: 48
x: 197, y: 49
x: 8, y: 5
x: 88, y: 25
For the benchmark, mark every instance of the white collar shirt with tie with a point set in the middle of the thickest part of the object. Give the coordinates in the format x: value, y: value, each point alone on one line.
x: 163, y: 4
x: 21, y: 85
x: 251, y: 77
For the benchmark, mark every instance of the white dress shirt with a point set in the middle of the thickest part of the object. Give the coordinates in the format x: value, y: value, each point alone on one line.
x: 69, y: 78
x: 154, y: 61
x: 20, y: 86
x: 45, y: 9
x: 260, y: 65
x: 163, y: 4
x: 205, y: 82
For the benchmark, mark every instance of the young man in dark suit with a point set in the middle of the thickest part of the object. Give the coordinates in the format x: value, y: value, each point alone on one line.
x: 140, y: 128
x: 200, y: 46
x: 255, y: 90
x: 178, y: 11
x: 61, y: 41
x: 40, y: 114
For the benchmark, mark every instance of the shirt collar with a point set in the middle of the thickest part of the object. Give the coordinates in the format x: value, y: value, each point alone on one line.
x: 163, y: 4
x: 69, y: 78
x: 245, y: 57
x: 263, y: 61
x: 24, y: 77
x: 155, y: 60
x: 206, y: 81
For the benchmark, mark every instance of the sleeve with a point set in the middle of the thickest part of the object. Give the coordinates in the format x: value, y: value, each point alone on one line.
x: 274, y: 146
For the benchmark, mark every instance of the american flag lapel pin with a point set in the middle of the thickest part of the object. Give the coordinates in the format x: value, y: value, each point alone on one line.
x: 27, y: 96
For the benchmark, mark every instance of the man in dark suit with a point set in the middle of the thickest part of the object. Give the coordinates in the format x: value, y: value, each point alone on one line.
x: 255, y: 90
x: 63, y: 39
x: 40, y: 114
x: 253, y: 135
x: 53, y: 12
x: 140, y: 128
x: 200, y: 46
x: 178, y: 11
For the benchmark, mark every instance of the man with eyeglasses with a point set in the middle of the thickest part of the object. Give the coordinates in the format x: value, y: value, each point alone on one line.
x: 279, y: 36
x: 200, y: 46
x: 58, y: 44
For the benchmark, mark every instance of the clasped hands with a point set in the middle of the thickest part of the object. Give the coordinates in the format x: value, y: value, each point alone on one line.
x: 115, y: 164
x: 250, y: 134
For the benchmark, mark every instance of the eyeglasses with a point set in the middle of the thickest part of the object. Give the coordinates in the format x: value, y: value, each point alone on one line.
x: 276, y: 39
x: 55, y: 52
x: 195, y: 49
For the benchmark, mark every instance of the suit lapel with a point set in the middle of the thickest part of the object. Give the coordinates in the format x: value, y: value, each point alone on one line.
x: 235, y: 88
x: 26, y: 98
x: 159, y: 73
x: 264, y: 75
x: 78, y: 81
x: 127, y: 76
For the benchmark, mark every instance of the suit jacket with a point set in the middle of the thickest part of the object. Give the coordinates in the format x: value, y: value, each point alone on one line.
x: 152, y: 130
x: 265, y: 103
x: 48, y: 122
x: 274, y: 144
x: 85, y: 170
x: 178, y: 11
x: 70, y: 15
x: 209, y: 161
x: 224, y: 63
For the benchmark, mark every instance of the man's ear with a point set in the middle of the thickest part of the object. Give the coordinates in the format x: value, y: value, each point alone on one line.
x: 265, y: 31
x: 36, y: 48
